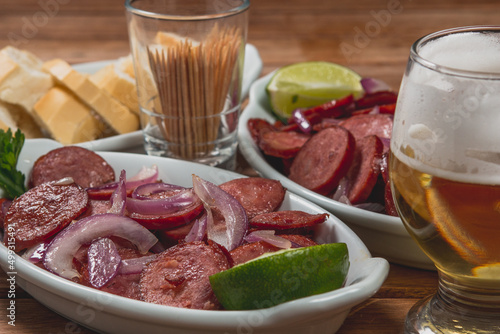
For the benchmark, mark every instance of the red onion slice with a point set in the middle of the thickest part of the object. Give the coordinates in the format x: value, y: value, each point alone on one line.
x: 229, y: 231
x: 142, y: 191
x: 119, y: 196
x: 373, y: 207
x: 198, y: 230
x: 158, y: 206
x: 60, y: 252
x: 144, y: 176
x: 135, y: 265
x: 372, y: 85
x: 270, y: 237
x: 301, y: 121
x: 36, y: 253
x: 103, y: 260
x: 342, y: 189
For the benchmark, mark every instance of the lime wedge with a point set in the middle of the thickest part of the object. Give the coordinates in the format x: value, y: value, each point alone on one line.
x: 309, y: 84
x: 275, y: 278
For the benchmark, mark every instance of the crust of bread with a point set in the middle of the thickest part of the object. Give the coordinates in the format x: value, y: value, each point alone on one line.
x: 22, y: 82
x: 115, y: 114
x: 15, y: 117
x: 118, y: 84
x: 68, y: 120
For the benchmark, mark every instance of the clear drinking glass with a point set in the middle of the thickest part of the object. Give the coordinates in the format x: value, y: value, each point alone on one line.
x: 188, y: 60
x: 445, y: 173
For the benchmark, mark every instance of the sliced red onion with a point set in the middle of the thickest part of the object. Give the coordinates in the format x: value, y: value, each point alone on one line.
x: 227, y: 232
x: 198, y: 230
x: 158, y: 206
x: 36, y: 253
x: 372, y: 85
x: 143, y: 191
x: 60, y: 252
x: 157, y: 248
x: 342, y: 189
x: 301, y: 121
x: 144, y: 176
x: 344, y: 200
x: 270, y: 237
x: 374, y: 207
x: 64, y: 181
x: 119, y: 196
x: 103, y: 260
x: 386, y: 142
x: 375, y: 111
x: 135, y: 265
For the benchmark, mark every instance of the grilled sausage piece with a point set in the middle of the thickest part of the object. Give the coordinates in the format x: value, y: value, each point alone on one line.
x: 324, y: 160
x: 179, y: 276
x: 41, y: 212
x: 256, y: 194
x: 87, y: 168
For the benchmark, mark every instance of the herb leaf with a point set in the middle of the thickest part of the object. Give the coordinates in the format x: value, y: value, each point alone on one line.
x: 11, y: 180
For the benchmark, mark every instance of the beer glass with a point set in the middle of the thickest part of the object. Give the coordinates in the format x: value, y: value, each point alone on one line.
x: 445, y: 174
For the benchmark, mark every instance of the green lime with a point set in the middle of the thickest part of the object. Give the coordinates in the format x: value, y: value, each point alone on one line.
x: 275, y: 278
x: 309, y: 84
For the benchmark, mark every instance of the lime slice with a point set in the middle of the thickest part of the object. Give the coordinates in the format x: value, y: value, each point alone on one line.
x: 309, y: 84
x: 275, y: 278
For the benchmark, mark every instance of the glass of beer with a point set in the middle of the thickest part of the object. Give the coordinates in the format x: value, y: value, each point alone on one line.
x: 445, y: 174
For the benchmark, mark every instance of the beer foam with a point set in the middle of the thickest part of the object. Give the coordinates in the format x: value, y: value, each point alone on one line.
x: 472, y: 51
x: 450, y: 124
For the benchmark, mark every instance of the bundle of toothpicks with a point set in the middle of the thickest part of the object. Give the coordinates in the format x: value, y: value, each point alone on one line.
x: 193, y: 79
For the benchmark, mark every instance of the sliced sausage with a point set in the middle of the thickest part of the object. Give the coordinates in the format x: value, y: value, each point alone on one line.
x: 256, y: 126
x: 364, y: 125
x: 390, y: 206
x: 87, y: 168
x: 256, y: 194
x: 282, y: 144
x: 376, y: 99
x: 41, y: 212
x: 299, y: 240
x: 324, y: 160
x: 365, y: 169
x: 179, y: 276
x: 251, y: 251
x: 285, y: 220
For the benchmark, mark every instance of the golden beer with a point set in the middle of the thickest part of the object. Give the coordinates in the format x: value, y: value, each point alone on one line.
x: 456, y: 223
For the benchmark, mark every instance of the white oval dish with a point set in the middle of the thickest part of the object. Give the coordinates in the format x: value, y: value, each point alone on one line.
x: 108, y: 313
x: 384, y: 235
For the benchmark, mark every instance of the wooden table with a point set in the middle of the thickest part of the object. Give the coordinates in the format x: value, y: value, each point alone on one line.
x: 370, y: 36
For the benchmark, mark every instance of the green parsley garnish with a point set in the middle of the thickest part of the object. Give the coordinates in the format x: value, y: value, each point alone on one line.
x: 11, y: 180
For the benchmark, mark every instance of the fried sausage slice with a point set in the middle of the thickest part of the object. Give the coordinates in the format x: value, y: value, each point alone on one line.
x: 179, y: 276
x: 324, y: 160
x: 256, y: 194
x: 365, y: 169
x: 87, y: 168
x: 41, y: 212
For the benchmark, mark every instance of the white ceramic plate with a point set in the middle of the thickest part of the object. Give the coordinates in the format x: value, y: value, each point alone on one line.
x: 133, y: 141
x: 384, y: 235
x: 108, y: 313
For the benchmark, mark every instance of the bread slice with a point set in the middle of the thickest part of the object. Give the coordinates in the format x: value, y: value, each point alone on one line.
x: 15, y: 117
x: 22, y: 81
x: 118, y: 84
x: 68, y: 120
x: 116, y: 115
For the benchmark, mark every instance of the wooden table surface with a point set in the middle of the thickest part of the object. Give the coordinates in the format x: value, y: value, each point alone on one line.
x: 372, y: 37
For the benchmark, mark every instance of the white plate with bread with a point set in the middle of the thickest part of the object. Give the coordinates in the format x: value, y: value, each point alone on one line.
x: 93, y: 105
